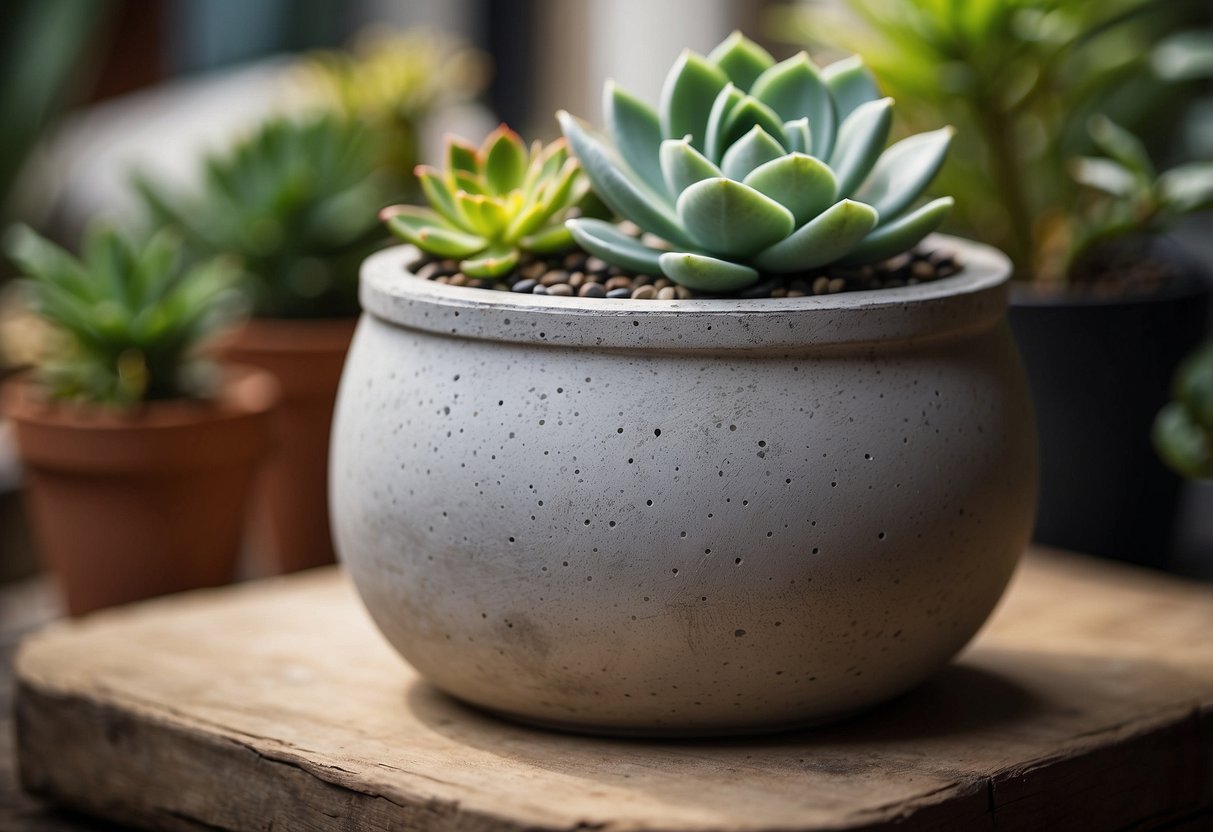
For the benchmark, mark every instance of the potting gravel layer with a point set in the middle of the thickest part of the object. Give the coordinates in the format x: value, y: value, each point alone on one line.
x: 576, y: 273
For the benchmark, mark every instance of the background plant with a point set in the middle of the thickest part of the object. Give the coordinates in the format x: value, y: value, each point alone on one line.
x: 1127, y: 196
x: 126, y: 317
x: 296, y: 203
x: 1020, y: 79
x: 491, y: 204
x: 392, y: 81
x: 749, y: 166
x: 1183, y: 431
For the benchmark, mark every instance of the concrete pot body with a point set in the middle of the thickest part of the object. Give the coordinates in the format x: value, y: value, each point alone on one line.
x: 682, y: 517
x: 125, y: 507
x: 292, y: 519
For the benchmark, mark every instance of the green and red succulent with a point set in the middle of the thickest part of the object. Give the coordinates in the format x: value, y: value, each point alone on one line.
x: 492, y: 204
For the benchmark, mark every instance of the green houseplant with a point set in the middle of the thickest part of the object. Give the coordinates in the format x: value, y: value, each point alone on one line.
x: 681, y: 510
x: 124, y: 429
x: 296, y: 204
x: 394, y: 81
x: 1183, y: 429
x: 1105, y: 306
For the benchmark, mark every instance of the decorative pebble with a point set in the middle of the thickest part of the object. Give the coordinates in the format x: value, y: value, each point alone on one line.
x: 577, y: 273
x: 533, y: 271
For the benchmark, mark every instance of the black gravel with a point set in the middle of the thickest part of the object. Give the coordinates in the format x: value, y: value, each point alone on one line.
x: 583, y: 275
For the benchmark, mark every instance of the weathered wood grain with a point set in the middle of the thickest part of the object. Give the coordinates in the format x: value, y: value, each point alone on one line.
x: 1085, y: 704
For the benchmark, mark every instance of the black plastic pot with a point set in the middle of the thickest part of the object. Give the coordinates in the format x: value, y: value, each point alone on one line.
x: 1100, y: 368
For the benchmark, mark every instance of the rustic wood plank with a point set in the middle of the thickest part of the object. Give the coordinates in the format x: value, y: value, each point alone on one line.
x: 1085, y: 704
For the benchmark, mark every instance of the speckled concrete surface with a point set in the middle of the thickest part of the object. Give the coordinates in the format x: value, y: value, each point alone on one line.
x: 682, y: 516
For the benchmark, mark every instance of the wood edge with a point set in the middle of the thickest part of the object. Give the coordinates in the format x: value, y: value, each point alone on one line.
x: 96, y: 741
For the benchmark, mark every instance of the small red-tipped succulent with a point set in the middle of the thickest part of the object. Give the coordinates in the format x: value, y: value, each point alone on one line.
x: 493, y: 203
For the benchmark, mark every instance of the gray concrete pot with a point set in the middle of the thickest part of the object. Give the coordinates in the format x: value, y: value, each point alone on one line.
x: 682, y: 517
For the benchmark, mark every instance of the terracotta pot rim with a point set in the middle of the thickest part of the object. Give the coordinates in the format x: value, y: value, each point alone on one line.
x: 245, y: 392
x: 971, y: 300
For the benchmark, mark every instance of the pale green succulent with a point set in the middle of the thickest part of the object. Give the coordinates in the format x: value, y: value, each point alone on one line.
x: 753, y: 167
x: 494, y: 203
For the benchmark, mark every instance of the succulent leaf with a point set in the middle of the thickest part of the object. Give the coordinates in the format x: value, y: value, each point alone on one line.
x: 800, y: 136
x: 731, y: 219
x: 823, y: 240
x: 441, y: 198
x: 748, y: 113
x: 548, y: 240
x: 605, y: 240
x: 505, y: 160
x: 706, y: 274
x: 635, y: 130
x: 430, y: 235
x: 804, y: 185
x: 616, y: 188
x: 461, y: 155
x: 741, y: 59
x: 748, y: 152
x: 901, y: 234
x: 851, y: 84
x: 687, y: 97
x: 861, y: 139
x: 726, y: 101
x: 903, y: 171
x: 496, y: 261
x: 794, y: 89
x: 682, y: 165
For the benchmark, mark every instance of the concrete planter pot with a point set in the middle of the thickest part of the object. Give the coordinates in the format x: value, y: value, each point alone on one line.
x: 682, y: 517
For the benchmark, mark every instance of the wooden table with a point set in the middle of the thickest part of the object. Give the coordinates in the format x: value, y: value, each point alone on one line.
x: 1084, y: 705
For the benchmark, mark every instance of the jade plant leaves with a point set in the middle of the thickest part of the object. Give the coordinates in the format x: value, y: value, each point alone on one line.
x: 750, y: 166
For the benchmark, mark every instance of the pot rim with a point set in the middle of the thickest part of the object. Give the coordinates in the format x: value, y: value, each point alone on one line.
x: 973, y: 300
x: 246, y: 392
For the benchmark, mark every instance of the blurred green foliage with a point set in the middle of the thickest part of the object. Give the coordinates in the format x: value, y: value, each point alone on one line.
x: 1183, y: 431
x: 392, y: 81
x: 1021, y: 81
x: 296, y: 203
x: 42, y: 44
x: 126, y: 316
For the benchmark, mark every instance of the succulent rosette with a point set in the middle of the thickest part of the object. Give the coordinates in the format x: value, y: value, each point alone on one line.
x: 492, y: 204
x: 751, y: 167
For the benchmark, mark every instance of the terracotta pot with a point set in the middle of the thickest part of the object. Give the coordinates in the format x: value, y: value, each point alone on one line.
x: 291, y: 509
x: 128, y: 506
x: 682, y: 517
